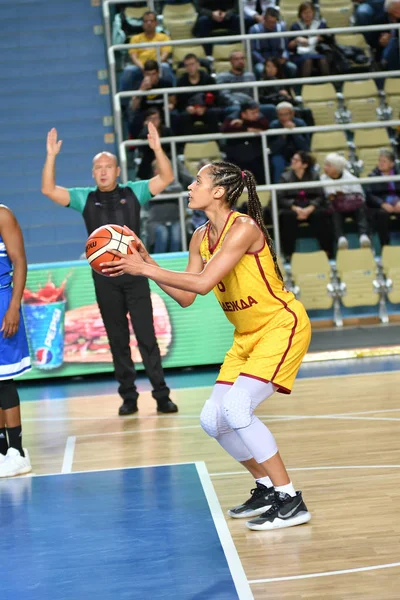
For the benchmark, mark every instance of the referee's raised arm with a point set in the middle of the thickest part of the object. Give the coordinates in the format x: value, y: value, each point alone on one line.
x: 58, y: 194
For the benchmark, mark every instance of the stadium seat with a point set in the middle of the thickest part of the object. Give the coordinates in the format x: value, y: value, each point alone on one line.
x: 392, y: 91
x: 179, y: 20
x: 264, y: 196
x: 135, y: 12
x: 358, y: 40
x: 321, y: 100
x: 328, y: 141
x: 337, y: 16
x: 362, y: 99
x: 221, y: 54
x: 194, y: 152
x: 367, y: 143
x: 311, y: 273
x: 391, y: 269
x: 357, y: 269
x: 289, y: 16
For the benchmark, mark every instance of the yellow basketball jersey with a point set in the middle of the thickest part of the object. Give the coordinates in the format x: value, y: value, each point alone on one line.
x: 251, y: 294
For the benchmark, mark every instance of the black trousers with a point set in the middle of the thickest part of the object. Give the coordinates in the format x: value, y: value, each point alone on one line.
x: 381, y: 221
x: 320, y: 226
x: 360, y: 217
x: 116, y: 297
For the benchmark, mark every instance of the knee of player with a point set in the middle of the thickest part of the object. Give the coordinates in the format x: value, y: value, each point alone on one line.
x: 209, y: 419
x: 9, y: 397
x: 237, y: 409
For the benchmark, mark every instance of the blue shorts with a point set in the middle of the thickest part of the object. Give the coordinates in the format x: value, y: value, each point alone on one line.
x: 14, y: 351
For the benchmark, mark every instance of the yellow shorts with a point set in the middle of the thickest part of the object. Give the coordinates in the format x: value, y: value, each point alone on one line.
x: 272, y: 353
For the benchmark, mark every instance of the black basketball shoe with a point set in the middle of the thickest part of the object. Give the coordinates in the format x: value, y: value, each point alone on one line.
x: 286, y: 511
x: 261, y: 499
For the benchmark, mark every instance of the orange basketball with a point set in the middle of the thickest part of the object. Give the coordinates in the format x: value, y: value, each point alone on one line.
x: 105, y: 238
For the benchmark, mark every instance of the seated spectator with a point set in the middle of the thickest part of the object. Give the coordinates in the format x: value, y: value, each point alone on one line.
x: 247, y: 153
x: 344, y: 200
x: 371, y: 12
x: 152, y: 115
x: 389, y: 40
x: 140, y: 104
x: 254, y: 10
x: 284, y: 146
x: 384, y: 43
x: 133, y: 74
x: 304, y: 48
x: 198, y: 117
x: 273, y: 71
x: 267, y: 47
x: 236, y: 74
x: 163, y: 225
x: 194, y: 75
x: 216, y: 17
x: 303, y: 205
x: 384, y: 198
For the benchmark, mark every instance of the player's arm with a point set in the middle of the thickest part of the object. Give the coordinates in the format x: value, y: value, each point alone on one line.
x: 11, y: 233
x: 58, y: 194
x: 243, y: 236
x: 195, y: 265
x: 165, y: 175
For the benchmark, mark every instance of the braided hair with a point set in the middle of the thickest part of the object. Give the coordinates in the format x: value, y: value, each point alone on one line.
x: 234, y: 180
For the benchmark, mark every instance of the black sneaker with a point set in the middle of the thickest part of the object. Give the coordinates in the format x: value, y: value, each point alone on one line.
x: 286, y: 511
x: 261, y: 499
x: 166, y: 406
x: 128, y: 408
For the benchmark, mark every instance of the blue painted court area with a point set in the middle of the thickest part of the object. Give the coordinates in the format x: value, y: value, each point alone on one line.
x: 140, y: 533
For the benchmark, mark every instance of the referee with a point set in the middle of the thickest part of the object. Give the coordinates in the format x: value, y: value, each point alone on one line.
x: 106, y: 203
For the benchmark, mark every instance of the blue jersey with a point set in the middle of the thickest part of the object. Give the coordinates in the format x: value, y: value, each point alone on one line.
x: 5, y: 266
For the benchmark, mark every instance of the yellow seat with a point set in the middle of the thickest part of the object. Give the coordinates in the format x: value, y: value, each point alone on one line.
x: 321, y: 100
x: 392, y: 91
x: 328, y: 141
x: 311, y: 273
x: 194, y: 152
x: 361, y: 98
x: 289, y: 16
x: 391, y: 268
x: 264, y: 196
x: 135, y: 12
x: 179, y: 20
x: 357, y: 269
x: 337, y: 16
x: 368, y: 142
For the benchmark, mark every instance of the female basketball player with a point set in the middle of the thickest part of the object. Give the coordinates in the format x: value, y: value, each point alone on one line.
x: 233, y: 255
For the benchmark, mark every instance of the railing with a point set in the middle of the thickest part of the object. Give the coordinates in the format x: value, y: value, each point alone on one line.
x: 265, y: 150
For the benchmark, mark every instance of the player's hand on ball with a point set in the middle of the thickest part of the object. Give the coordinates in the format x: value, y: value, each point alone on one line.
x: 53, y: 146
x: 130, y: 264
x: 153, y: 137
x: 10, y: 322
x: 139, y: 246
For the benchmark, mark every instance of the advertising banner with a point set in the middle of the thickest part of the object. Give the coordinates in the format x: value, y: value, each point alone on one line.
x: 66, y: 334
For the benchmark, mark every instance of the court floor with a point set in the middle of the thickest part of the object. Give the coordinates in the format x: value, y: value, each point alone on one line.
x: 126, y: 505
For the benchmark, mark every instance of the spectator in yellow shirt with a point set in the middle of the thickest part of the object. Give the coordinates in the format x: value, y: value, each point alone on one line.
x: 133, y: 74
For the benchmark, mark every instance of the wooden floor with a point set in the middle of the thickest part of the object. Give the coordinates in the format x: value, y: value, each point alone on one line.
x: 340, y: 439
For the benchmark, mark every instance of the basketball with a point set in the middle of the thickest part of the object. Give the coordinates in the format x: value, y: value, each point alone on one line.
x: 105, y: 238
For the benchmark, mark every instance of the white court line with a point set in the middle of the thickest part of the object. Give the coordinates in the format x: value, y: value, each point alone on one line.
x: 231, y: 555
x: 68, y: 454
x: 133, y: 431
x: 224, y: 473
x: 113, y: 469
x: 325, y: 574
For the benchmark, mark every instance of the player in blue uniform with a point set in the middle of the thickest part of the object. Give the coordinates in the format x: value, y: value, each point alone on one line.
x: 14, y: 352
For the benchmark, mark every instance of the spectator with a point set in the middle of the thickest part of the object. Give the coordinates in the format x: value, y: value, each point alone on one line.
x: 385, y: 43
x: 303, y: 205
x: 140, y: 104
x: 265, y: 48
x: 133, y: 75
x: 304, y: 48
x: 254, y: 10
x: 236, y: 74
x: 247, y: 153
x: 275, y: 94
x: 384, y: 198
x: 389, y: 40
x: 284, y: 146
x: 146, y: 167
x: 345, y: 200
x: 198, y: 117
x: 194, y: 75
x: 216, y: 17
x: 371, y: 12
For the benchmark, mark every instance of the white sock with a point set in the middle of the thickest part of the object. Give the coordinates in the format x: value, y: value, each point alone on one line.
x: 286, y: 489
x: 265, y: 481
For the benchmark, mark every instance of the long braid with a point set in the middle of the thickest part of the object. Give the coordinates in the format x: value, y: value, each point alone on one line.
x: 234, y: 180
